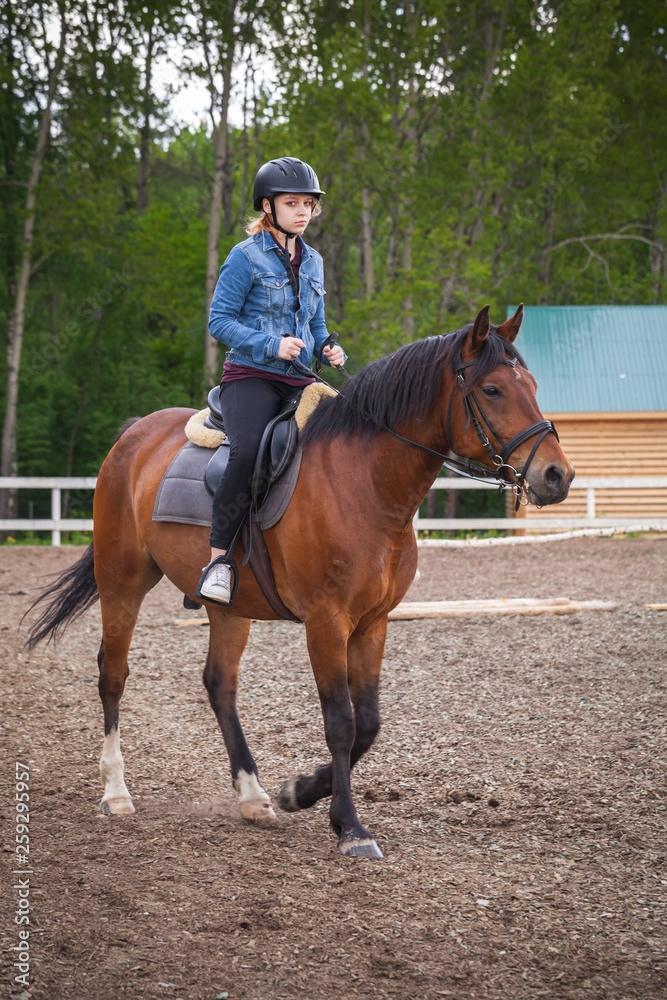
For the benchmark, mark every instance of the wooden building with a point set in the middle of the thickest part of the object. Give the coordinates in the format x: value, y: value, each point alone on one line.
x: 602, y: 378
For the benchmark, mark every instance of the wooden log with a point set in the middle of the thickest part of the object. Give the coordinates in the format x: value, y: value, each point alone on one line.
x: 509, y: 606
x: 467, y: 609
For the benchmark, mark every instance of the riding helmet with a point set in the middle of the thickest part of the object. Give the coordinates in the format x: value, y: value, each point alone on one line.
x: 286, y: 175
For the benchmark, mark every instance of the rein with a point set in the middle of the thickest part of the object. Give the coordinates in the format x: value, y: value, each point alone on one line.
x: 474, y: 414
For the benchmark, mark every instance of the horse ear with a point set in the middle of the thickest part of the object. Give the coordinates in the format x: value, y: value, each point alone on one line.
x: 481, y: 328
x: 510, y: 328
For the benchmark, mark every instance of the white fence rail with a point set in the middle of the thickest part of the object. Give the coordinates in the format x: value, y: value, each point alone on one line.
x: 590, y: 484
x: 57, y: 524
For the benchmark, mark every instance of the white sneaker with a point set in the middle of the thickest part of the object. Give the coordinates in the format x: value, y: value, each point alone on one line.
x: 217, y: 584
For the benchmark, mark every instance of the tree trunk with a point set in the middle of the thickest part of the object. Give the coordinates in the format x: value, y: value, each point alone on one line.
x: 227, y: 203
x: 221, y: 193
x: 452, y: 503
x: 447, y: 300
x: 16, y: 320
x: 406, y: 263
x: 211, y: 346
x: 468, y: 235
x: 367, y: 240
x: 243, y: 196
x: 657, y: 255
x: 142, y: 180
x: 366, y: 225
x: 10, y: 222
x: 80, y: 408
x: 392, y: 255
x: 411, y: 140
x: 545, y: 256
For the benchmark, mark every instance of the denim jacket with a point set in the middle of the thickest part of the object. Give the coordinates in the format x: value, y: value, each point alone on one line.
x: 254, y: 306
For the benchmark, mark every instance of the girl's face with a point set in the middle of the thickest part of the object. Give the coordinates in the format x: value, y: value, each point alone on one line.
x: 293, y: 211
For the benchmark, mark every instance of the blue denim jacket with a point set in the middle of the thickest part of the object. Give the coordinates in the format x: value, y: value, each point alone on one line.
x: 254, y: 306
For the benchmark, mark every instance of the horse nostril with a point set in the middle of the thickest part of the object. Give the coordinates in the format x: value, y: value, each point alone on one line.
x: 553, y: 477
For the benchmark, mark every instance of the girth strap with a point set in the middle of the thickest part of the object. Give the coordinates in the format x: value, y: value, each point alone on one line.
x: 260, y: 564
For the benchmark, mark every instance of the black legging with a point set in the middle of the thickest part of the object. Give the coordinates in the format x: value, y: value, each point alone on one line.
x: 247, y: 405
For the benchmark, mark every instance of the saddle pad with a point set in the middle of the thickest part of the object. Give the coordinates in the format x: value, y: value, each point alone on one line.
x: 183, y: 497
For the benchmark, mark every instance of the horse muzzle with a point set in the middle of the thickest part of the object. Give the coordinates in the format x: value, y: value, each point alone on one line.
x: 549, y: 485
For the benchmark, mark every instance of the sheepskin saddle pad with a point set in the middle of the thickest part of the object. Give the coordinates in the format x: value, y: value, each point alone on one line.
x: 185, y: 494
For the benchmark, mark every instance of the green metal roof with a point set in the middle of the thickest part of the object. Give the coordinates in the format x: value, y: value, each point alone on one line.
x: 589, y: 359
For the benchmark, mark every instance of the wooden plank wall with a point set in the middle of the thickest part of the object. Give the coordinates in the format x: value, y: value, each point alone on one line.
x: 612, y: 444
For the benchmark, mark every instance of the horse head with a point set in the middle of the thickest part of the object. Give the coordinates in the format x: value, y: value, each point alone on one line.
x: 493, y: 416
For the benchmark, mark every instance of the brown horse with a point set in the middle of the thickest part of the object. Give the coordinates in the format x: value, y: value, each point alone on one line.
x: 343, y: 554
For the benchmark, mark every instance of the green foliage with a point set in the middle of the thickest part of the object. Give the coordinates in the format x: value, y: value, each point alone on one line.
x: 483, y: 141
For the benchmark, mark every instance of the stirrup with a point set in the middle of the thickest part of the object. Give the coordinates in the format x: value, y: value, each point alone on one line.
x: 234, y: 579
x: 189, y: 604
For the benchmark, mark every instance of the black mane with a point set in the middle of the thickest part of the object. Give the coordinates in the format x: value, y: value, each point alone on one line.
x: 404, y: 384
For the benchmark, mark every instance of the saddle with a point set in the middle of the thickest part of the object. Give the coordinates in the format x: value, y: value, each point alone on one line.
x: 276, y: 449
x: 187, y: 487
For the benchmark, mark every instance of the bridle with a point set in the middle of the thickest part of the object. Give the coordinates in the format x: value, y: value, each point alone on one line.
x: 475, y: 415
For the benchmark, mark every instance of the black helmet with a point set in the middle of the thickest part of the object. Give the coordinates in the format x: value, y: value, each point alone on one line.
x: 284, y: 176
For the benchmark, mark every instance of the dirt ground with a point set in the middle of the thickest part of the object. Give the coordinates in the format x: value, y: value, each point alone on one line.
x: 516, y: 789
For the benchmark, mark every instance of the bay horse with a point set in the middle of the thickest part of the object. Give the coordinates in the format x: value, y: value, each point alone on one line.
x: 343, y: 554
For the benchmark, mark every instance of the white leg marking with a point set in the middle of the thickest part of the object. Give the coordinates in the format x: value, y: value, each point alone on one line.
x: 116, y: 798
x: 254, y: 803
x: 417, y: 575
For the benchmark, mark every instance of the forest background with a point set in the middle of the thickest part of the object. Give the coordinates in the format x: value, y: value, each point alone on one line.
x: 494, y: 151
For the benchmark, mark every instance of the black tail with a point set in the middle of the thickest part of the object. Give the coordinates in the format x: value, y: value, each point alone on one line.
x: 69, y: 596
x: 72, y: 593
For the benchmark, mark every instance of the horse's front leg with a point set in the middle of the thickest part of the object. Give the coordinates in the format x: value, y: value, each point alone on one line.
x: 365, y: 649
x: 328, y: 656
x: 228, y: 639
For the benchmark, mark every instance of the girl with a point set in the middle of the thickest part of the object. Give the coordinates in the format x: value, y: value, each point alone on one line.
x: 268, y: 306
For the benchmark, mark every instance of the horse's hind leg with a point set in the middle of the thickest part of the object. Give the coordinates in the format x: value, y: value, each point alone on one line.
x: 228, y: 639
x: 120, y: 609
x: 364, y: 661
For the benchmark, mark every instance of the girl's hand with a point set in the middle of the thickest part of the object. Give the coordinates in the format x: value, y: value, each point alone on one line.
x: 335, y: 355
x: 290, y: 348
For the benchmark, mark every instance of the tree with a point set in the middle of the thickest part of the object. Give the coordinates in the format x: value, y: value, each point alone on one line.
x: 223, y: 35
x: 53, y: 63
x: 496, y: 151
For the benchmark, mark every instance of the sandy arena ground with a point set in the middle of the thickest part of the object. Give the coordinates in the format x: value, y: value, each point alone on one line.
x: 516, y: 789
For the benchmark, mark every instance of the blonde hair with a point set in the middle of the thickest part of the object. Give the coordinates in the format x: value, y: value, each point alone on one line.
x: 257, y: 223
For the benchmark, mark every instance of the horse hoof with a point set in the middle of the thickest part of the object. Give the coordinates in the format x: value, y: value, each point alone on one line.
x: 118, y: 807
x: 259, y: 812
x: 287, y: 796
x: 366, y: 848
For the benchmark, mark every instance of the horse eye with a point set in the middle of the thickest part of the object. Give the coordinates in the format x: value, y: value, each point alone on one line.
x: 491, y: 390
